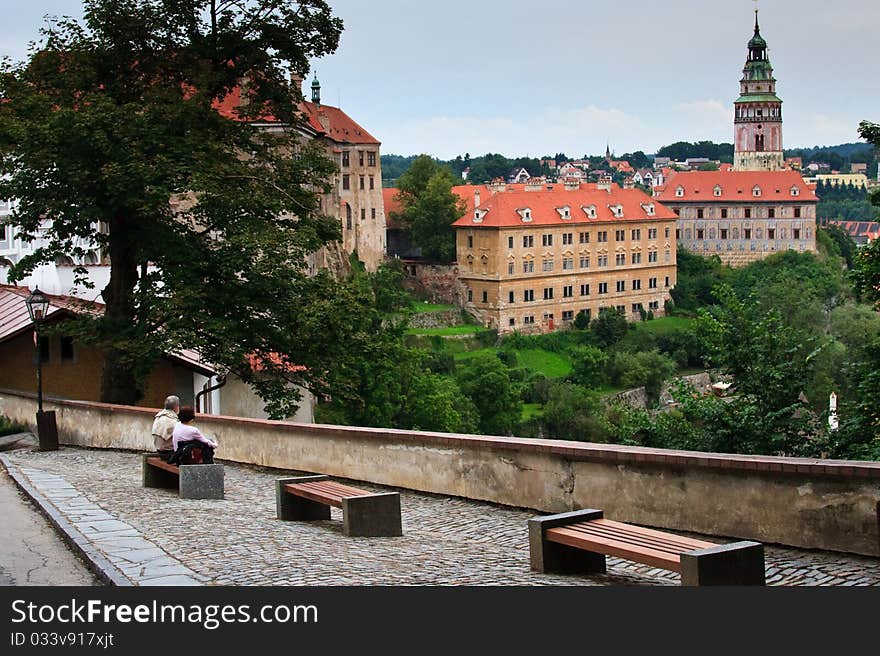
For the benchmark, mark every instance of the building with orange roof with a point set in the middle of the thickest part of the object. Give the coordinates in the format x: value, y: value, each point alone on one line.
x: 531, y: 257
x: 742, y: 216
x: 356, y: 190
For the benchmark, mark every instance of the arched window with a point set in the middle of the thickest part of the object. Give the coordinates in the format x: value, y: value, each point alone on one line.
x: 348, y: 216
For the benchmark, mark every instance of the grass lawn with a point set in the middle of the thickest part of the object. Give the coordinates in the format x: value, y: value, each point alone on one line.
x: 451, y: 330
x: 530, y: 411
x: 467, y: 355
x: 552, y: 365
x: 665, y: 324
x: 420, y: 307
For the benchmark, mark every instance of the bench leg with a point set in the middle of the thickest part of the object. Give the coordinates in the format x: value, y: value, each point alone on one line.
x: 155, y: 477
x: 553, y: 558
x: 201, y: 482
x: 740, y: 563
x: 377, y: 515
x: 289, y: 507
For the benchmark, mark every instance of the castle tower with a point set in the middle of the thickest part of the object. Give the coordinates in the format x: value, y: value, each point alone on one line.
x: 316, y: 90
x: 758, y: 113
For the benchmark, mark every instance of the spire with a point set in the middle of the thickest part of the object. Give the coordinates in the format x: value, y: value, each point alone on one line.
x: 316, y: 90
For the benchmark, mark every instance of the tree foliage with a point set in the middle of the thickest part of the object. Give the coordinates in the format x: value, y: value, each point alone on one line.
x: 486, y: 381
x: 110, y: 130
x: 429, y: 208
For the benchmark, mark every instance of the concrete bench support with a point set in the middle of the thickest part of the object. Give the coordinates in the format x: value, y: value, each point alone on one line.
x: 377, y: 515
x: 553, y: 558
x: 191, y: 481
x: 739, y: 563
x: 201, y: 482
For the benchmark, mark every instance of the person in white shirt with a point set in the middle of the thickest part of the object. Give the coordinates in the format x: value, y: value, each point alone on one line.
x: 185, y: 435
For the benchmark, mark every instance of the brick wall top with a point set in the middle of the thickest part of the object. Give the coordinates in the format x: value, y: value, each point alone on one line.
x: 581, y: 451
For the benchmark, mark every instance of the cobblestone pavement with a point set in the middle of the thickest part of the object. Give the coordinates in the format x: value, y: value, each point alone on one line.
x: 154, y: 537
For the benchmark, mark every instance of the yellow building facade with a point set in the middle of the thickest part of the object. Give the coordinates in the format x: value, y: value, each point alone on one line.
x: 531, y: 257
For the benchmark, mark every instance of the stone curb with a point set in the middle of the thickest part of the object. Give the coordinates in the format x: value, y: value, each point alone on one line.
x: 103, y: 568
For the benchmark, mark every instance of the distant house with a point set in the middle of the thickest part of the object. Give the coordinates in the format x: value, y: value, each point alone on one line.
x: 518, y: 176
x: 862, y: 232
x: 794, y: 163
x: 835, y: 179
x: 549, y: 163
x: 622, y: 165
x: 858, y: 167
x: 72, y: 370
x: 644, y: 177
x: 662, y: 162
x: 570, y: 172
x: 464, y: 176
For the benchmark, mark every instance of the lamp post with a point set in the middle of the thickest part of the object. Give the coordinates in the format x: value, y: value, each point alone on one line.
x: 47, y: 431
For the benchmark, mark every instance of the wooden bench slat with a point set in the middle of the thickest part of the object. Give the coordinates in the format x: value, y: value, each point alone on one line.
x: 311, y: 495
x: 663, y: 542
x: 326, y: 492
x: 612, y: 547
x: 635, y: 541
x: 161, y: 464
x: 334, y: 488
x: 696, y: 544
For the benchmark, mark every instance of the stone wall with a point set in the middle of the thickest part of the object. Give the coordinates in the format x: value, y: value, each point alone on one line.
x: 443, y: 319
x: 800, y: 502
x: 437, y: 282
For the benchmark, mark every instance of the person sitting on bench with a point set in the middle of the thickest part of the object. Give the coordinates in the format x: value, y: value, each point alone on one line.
x: 186, y: 437
x: 163, y: 426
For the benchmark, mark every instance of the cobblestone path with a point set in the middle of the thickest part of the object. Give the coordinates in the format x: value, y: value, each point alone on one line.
x: 153, y: 537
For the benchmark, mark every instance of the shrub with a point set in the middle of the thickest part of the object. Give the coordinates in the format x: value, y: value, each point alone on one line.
x: 9, y: 427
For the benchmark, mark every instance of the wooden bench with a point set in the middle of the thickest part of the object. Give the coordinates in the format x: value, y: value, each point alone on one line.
x: 364, y: 514
x: 191, y: 481
x: 578, y: 542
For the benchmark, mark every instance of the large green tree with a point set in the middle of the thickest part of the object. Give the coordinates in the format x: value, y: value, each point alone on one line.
x: 110, y: 130
x: 429, y: 208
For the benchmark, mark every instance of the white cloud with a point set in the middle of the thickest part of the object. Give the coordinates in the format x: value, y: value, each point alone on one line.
x: 709, y: 112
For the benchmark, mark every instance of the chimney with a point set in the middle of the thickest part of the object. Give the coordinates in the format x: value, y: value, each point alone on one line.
x: 296, y: 81
x: 604, y: 184
x: 476, y: 198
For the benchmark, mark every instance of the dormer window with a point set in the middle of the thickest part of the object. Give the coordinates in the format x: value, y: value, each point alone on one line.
x: 478, y: 216
x: 795, y: 191
x: 679, y: 192
x: 616, y: 210
x: 564, y: 212
x: 590, y: 211
x: 525, y: 214
x: 756, y: 191
x: 717, y: 191
x: 649, y: 209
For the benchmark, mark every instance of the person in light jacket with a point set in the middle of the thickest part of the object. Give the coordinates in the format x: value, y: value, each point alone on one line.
x: 185, y: 435
x: 163, y: 424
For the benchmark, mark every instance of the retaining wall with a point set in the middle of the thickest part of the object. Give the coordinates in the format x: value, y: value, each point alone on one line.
x: 822, y: 504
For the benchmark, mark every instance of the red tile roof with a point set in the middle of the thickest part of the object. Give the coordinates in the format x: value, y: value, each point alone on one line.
x: 736, y: 186
x: 340, y: 127
x: 15, y: 320
x: 867, y: 230
x: 14, y: 317
x: 392, y: 206
x: 501, y: 206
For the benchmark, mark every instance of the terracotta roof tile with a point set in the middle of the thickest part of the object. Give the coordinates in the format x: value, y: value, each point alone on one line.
x: 736, y: 186
x: 501, y: 207
x: 340, y: 127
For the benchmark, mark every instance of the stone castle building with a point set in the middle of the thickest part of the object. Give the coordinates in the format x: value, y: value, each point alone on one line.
x: 742, y: 216
x: 355, y: 200
x: 758, y: 113
x: 356, y: 195
x: 759, y: 208
x: 531, y: 257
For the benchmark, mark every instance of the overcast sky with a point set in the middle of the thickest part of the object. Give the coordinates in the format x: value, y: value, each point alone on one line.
x: 534, y: 78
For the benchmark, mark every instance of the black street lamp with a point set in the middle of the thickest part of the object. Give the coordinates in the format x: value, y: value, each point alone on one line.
x: 47, y: 431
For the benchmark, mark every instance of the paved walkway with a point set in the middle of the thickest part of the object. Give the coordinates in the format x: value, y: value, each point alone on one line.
x: 151, y: 537
x: 31, y: 552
